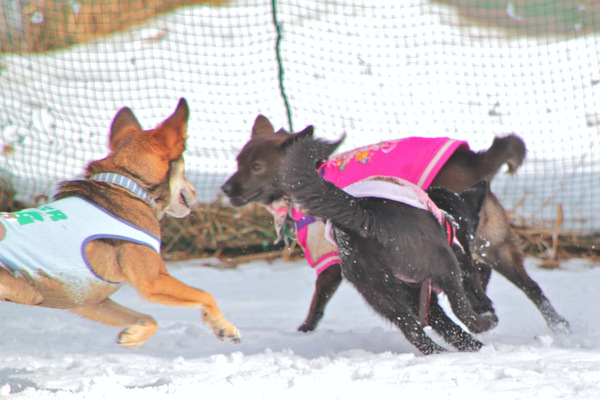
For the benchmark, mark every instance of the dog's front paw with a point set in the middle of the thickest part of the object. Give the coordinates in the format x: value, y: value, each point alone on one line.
x: 222, y: 328
x: 305, y: 327
x: 479, y: 323
x: 560, y: 327
x: 136, y: 335
x: 233, y: 336
x: 491, y: 317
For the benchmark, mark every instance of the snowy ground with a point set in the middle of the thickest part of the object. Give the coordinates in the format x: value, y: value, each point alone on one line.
x: 376, y: 73
x: 52, y: 354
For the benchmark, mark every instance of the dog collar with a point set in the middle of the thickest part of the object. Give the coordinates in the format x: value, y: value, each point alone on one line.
x: 124, y: 182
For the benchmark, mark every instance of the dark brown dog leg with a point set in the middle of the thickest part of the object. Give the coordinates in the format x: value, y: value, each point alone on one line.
x: 508, y: 261
x: 138, y: 327
x: 497, y: 246
x: 484, y: 273
x: 451, y: 332
x: 326, y: 285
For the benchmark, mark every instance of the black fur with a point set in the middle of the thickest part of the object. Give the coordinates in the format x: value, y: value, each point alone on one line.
x: 496, y: 247
x: 381, y: 241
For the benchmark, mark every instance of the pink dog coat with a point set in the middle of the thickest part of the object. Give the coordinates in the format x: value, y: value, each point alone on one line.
x: 414, y: 159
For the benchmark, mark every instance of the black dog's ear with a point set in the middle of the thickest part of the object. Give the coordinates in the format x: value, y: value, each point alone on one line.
x: 475, y: 195
x: 262, y: 126
x: 307, y: 133
x: 315, y: 150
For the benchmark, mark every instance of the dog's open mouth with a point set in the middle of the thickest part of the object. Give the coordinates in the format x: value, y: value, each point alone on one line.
x: 241, y: 200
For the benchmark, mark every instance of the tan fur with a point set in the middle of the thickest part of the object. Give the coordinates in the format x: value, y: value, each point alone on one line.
x: 154, y: 159
x: 316, y: 242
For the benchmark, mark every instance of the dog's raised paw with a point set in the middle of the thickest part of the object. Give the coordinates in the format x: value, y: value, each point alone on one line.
x: 222, y: 328
x: 233, y: 337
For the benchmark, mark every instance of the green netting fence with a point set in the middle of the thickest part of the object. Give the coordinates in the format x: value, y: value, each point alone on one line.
x: 469, y: 69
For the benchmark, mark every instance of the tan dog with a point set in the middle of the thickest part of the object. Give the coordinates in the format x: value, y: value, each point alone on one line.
x: 103, y: 232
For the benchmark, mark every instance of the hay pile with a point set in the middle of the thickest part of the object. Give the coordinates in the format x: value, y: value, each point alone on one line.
x: 42, y: 25
x: 215, y: 230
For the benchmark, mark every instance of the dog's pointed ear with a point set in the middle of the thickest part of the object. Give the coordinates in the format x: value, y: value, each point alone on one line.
x: 475, y: 195
x: 262, y: 126
x: 122, y: 125
x: 178, y: 121
x: 172, y: 133
x: 306, y: 133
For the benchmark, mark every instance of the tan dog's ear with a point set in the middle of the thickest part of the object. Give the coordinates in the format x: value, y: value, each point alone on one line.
x: 123, y: 124
x: 262, y: 126
x: 172, y: 133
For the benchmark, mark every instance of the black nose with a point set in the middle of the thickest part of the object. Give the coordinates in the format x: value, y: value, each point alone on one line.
x: 227, y: 188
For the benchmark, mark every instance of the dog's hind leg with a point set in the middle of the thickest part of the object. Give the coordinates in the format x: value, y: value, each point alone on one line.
x: 509, y: 262
x: 400, y: 315
x: 451, y: 332
x: 497, y: 246
x: 326, y: 285
x: 18, y: 290
x: 137, y: 327
x: 396, y: 302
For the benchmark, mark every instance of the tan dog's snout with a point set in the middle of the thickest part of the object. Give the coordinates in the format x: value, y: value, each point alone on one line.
x: 183, y: 193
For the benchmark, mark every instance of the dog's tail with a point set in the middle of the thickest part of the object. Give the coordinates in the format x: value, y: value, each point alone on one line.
x: 314, y: 194
x: 509, y: 150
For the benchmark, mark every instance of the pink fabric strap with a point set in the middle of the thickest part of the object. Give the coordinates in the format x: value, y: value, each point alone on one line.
x: 326, y: 261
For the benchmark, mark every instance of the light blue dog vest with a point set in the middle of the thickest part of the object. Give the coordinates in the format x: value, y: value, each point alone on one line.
x: 50, y: 241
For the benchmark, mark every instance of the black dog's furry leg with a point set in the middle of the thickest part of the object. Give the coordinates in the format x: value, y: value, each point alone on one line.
x: 327, y: 283
x: 392, y: 303
x: 389, y: 297
x: 464, y: 209
x: 480, y: 302
x: 451, y: 332
x: 452, y: 285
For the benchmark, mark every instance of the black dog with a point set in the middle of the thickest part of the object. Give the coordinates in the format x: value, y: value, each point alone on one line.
x: 496, y: 246
x: 387, y: 246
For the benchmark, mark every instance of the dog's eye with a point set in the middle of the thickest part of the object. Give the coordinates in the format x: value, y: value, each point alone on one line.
x: 257, y: 167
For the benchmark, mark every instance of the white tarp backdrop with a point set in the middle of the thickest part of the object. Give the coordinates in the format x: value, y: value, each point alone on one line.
x: 375, y: 70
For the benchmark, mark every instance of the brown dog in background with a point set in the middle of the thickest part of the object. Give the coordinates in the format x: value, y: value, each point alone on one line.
x: 496, y: 246
x: 140, y: 180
